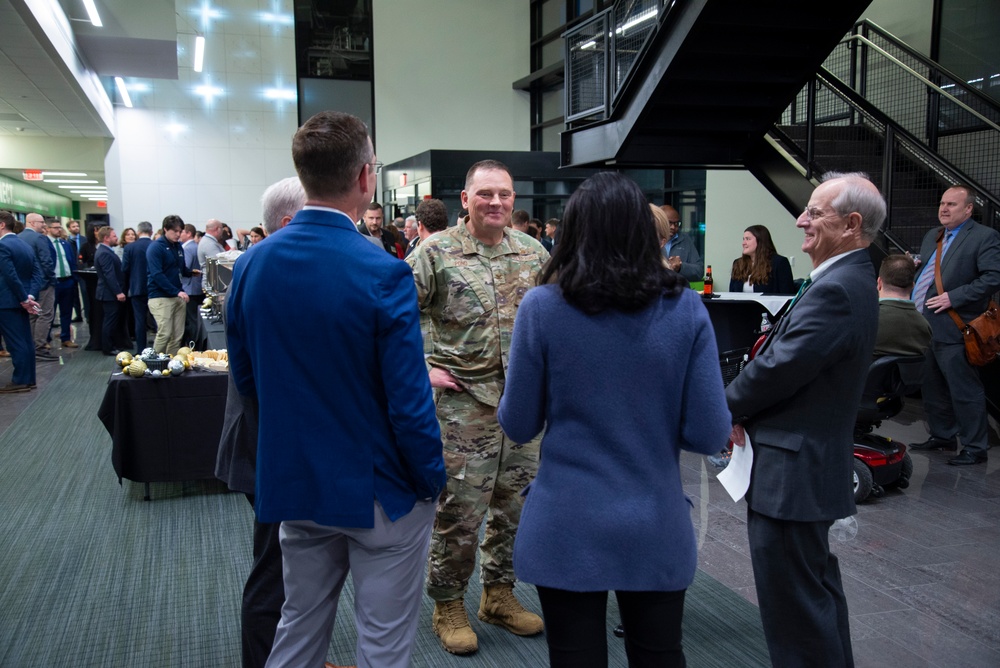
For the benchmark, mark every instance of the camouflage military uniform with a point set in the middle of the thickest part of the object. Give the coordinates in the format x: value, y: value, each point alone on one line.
x: 468, y: 294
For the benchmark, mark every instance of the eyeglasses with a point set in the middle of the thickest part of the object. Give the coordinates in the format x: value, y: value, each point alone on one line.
x: 376, y: 166
x: 812, y: 213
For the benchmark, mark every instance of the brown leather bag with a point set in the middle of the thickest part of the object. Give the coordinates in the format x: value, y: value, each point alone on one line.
x: 982, y: 335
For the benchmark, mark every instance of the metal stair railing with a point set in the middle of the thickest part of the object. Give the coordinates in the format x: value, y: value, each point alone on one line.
x: 948, y: 115
x: 601, y: 55
x: 828, y: 115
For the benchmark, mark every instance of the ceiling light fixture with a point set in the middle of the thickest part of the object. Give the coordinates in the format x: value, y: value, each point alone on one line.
x: 208, y: 91
x: 123, y: 92
x: 199, y: 52
x: 280, y: 94
x: 95, y: 18
x: 82, y: 187
x: 68, y: 181
x: 64, y: 173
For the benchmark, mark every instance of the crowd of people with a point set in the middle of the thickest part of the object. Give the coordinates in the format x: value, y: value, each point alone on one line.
x: 415, y: 449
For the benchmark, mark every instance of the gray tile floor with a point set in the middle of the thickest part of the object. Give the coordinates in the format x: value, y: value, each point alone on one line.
x: 922, y: 574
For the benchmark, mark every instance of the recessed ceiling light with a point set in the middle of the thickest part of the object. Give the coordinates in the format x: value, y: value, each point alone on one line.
x: 175, y: 128
x: 280, y: 94
x: 208, y: 91
x: 123, y: 92
x: 80, y: 187
x: 64, y: 173
x: 95, y: 18
x: 69, y: 181
x: 199, y: 53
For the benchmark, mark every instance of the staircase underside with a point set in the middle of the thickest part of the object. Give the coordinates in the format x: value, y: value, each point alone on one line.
x: 716, y: 76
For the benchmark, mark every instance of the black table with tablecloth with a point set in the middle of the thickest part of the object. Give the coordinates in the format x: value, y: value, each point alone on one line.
x: 165, y: 429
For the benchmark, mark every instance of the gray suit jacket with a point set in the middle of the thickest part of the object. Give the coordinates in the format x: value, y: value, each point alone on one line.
x: 692, y: 266
x: 970, y: 274
x: 799, y: 396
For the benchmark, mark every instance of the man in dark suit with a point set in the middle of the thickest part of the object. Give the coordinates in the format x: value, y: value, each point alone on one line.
x: 371, y: 227
x: 18, y: 272
x: 796, y: 400
x: 110, y: 287
x: 76, y: 241
x: 679, y: 250
x: 65, y: 273
x: 954, y: 400
x: 33, y: 234
x: 349, y: 456
x: 134, y: 270
x: 236, y: 465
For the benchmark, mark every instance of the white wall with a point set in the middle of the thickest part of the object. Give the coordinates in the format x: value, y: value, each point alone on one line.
x: 909, y: 20
x: 443, y: 75
x: 734, y: 201
x: 228, y: 151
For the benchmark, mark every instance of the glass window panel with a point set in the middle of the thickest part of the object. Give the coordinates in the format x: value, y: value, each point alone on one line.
x: 553, y: 15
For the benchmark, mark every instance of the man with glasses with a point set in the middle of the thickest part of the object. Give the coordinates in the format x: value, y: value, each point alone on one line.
x: 679, y: 250
x: 797, y: 400
x: 65, y: 287
x: 349, y: 454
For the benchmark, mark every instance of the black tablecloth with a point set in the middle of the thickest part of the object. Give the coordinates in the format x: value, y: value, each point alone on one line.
x: 165, y: 429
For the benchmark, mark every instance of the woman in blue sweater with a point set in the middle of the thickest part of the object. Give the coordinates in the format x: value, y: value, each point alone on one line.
x: 617, y: 361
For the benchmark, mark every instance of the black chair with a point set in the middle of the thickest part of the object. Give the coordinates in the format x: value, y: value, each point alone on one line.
x: 879, y: 461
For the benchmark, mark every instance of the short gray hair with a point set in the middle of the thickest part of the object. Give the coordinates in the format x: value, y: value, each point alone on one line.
x: 145, y: 227
x: 859, y: 195
x: 284, y: 198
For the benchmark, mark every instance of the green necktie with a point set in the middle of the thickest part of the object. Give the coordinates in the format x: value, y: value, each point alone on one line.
x: 61, y: 255
x: 802, y: 288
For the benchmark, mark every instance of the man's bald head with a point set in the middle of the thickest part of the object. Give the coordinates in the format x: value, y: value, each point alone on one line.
x: 36, y: 222
x: 673, y: 219
x: 214, y: 228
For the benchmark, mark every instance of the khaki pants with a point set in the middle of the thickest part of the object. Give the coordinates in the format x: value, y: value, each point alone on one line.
x: 169, y: 314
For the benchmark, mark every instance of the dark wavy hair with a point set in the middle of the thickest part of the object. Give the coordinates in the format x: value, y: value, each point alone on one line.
x: 757, y: 269
x: 608, y: 256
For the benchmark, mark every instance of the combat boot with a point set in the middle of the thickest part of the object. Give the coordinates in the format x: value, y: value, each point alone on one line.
x: 499, y: 607
x: 451, y: 625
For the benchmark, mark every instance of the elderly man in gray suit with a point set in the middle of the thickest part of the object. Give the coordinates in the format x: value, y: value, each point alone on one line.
x: 264, y: 592
x: 954, y: 399
x: 797, y: 400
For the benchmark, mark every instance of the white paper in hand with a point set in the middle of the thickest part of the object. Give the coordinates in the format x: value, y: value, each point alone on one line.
x: 736, y: 477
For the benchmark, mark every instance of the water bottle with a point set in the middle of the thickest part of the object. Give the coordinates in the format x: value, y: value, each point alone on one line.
x: 765, y: 324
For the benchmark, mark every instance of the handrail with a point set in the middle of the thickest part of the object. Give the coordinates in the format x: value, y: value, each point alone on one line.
x: 867, y: 24
x: 951, y: 98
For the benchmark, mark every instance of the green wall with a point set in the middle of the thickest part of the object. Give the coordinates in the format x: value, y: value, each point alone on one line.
x: 17, y: 196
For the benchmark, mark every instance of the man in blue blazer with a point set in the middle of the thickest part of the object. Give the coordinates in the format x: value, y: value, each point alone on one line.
x: 65, y: 277
x: 44, y: 292
x: 18, y: 272
x: 110, y: 287
x: 954, y: 399
x: 349, y: 455
x: 134, y: 269
x: 797, y: 401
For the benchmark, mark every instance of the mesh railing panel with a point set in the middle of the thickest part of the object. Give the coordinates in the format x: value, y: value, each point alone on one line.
x: 937, y: 119
x: 633, y: 21
x: 586, y: 69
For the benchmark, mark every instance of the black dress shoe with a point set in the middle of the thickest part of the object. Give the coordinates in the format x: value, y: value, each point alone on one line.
x: 967, y: 458
x: 933, y: 443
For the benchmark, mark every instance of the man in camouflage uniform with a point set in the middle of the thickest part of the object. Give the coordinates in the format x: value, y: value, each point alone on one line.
x: 470, y: 280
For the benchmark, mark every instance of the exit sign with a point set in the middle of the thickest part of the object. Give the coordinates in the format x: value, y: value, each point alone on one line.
x: 32, y: 175
x: 102, y: 204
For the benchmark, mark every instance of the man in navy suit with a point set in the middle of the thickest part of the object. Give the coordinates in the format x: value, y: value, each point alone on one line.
x: 110, y: 287
x: 134, y: 269
x: 349, y: 454
x: 797, y: 401
x: 76, y: 240
x: 18, y: 272
x: 44, y: 292
x: 65, y: 272
x: 954, y: 399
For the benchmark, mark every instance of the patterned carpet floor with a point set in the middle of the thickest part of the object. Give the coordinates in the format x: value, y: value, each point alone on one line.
x: 92, y: 575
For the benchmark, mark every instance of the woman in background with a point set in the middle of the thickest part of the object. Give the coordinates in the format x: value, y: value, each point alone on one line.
x: 760, y: 268
x: 606, y: 510
x: 128, y: 236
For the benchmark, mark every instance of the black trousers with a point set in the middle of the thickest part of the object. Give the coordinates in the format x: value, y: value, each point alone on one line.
x: 109, y: 326
x: 263, y: 595
x: 801, y: 597
x: 140, y: 311
x: 576, y: 627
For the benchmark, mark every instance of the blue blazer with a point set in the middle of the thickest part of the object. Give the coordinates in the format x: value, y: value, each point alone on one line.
x: 348, y: 418
x: 799, y: 396
x: 45, y: 256
x: 779, y: 281
x: 18, y: 271
x: 134, y: 266
x: 110, y: 279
